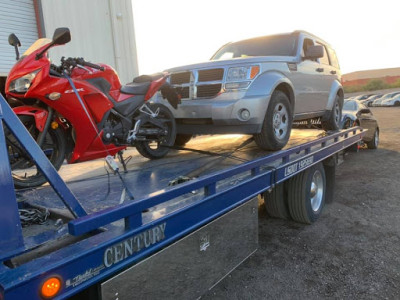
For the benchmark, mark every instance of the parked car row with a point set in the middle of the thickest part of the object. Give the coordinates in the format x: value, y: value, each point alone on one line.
x: 389, y: 99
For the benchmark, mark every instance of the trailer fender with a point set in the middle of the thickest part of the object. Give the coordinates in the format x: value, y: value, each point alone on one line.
x: 330, y: 171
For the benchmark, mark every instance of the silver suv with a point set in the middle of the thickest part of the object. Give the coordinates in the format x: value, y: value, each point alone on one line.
x: 260, y: 86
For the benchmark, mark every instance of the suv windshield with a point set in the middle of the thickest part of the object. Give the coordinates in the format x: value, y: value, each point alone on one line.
x: 275, y: 45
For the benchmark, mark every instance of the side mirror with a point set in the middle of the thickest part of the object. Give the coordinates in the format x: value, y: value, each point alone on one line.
x: 61, y: 36
x: 314, y: 52
x: 14, y: 41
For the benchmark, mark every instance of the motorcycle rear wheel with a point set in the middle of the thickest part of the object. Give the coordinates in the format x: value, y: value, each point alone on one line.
x: 158, y: 148
x: 24, y: 170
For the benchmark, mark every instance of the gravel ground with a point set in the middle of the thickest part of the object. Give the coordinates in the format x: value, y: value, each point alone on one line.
x: 352, y: 251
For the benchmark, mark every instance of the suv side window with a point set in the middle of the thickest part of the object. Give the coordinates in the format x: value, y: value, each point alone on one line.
x: 333, y: 58
x: 306, y: 43
x: 325, y: 59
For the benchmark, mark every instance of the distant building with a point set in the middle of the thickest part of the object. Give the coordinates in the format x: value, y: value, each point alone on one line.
x: 388, y: 76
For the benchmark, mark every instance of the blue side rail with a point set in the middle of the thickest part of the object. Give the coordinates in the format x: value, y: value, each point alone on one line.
x: 106, y: 250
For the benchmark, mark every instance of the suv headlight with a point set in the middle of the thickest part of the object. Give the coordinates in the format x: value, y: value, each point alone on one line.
x: 240, y: 77
x: 22, y: 84
x: 242, y: 73
x: 239, y: 73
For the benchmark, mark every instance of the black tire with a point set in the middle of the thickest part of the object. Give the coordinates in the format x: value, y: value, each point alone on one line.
x: 373, y: 144
x: 348, y: 124
x: 54, y: 147
x: 397, y: 103
x: 277, y: 125
x: 335, y: 116
x: 303, y: 207
x: 182, y: 139
x: 276, y: 203
x: 156, y: 149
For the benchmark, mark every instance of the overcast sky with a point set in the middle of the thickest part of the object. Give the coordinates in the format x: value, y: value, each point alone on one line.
x: 170, y: 33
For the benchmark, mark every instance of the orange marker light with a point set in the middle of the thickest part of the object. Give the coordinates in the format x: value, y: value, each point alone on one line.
x: 254, y: 71
x: 51, y: 287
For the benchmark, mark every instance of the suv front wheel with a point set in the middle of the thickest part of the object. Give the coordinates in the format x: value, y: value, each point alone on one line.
x: 277, y: 125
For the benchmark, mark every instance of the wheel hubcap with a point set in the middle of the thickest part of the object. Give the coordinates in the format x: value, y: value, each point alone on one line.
x: 316, y: 191
x: 376, y: 138
x: 280, y: 121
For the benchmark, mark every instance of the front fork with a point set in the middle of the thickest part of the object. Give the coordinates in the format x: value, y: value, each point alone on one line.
x: 42, y: 134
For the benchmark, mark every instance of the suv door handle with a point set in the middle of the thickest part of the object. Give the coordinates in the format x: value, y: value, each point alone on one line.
x: 333, y: 72
x: 319, y: 69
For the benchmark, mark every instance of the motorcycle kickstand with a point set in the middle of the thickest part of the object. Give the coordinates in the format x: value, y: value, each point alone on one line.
x: 123, y: 161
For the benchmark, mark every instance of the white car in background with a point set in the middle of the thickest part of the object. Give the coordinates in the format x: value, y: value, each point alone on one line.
x: 394, y: 101
x: 385, y: 97
x: 362, y: 97
x: 369, y: 100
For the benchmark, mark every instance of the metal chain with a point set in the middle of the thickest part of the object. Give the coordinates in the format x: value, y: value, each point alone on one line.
x: 33, y: 216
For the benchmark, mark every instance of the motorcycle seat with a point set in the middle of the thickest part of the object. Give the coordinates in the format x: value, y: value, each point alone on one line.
x: 140, y: 85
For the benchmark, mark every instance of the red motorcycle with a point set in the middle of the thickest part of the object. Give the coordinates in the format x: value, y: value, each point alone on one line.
x: 80, y: 111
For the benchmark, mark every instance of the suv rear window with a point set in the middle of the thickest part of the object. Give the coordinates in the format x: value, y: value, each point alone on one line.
x: 324, y: 59
x: 333, y: 58
x: 275, y: 45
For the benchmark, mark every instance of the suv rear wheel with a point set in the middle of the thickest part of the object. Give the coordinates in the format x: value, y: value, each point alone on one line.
x: 333, y: 123
x: 277, y: 125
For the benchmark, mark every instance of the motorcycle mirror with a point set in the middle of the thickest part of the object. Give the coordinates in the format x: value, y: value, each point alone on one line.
x: 14, y: 41
x: 61, y: 36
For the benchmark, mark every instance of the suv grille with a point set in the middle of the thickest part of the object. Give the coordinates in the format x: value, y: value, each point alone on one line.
x: 179, y: 78
x: 209, y: 90
x: 211, y: 75
x: 189, y: 88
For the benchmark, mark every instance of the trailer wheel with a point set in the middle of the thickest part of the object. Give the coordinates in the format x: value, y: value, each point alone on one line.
x: 306, y: 194
x: 276, y: 203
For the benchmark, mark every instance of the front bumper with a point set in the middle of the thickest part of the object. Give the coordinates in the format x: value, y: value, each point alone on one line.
x: 222, y: 114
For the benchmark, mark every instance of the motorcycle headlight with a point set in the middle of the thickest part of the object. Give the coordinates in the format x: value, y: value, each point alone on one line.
x: 22, y: 84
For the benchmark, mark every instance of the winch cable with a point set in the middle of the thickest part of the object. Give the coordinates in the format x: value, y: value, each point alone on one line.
x: 116, y: 170
x: 209, y: 153
x: 197, y: 172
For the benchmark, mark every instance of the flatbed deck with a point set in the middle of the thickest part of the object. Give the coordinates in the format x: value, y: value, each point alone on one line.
x: 97, y: 189
x: 89, y: 180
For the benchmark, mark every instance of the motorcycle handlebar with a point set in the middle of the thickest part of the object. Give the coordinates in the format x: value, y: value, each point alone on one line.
x: 79, y: 61
x: 82, y: 62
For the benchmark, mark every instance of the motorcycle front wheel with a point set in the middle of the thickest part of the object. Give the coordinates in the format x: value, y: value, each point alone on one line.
x: 159, y: 146
x: 24, y: 170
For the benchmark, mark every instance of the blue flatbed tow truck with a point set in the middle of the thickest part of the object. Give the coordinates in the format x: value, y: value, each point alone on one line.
x: 193, y: 220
